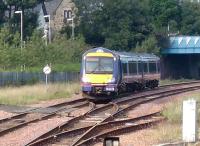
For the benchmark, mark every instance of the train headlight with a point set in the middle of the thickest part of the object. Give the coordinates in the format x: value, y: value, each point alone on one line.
x: 112, y: 80
x: 85, y: 79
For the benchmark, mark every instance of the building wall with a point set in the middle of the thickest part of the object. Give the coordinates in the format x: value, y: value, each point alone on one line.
x: 59, y: 18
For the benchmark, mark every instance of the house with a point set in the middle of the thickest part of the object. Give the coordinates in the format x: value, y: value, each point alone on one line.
x: 59, y: 10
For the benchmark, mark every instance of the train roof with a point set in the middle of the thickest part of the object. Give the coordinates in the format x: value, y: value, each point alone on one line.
x: 127, y: 56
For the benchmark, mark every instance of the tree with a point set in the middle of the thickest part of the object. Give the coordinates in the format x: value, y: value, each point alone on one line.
x: 86, y: 11
x: 2, y: 10
x: 117, y: 24
x: 164, y: 12
x: 190, y: 24
x: 150, y: 45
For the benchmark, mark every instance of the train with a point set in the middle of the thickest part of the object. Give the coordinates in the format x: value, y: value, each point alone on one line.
x: 107, y: 72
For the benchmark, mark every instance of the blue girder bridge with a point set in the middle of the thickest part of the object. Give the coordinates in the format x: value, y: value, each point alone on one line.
x: 181, y: 59
x: 183, y: 45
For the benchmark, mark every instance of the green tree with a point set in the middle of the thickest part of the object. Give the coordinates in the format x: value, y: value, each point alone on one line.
x: 117, y: 24
x: 2, y: 10
x: 190, y: 24
x: 150, y: 45
x: 164, y: 12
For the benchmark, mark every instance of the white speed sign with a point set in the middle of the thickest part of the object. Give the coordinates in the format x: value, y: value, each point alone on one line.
x: 47, y: 70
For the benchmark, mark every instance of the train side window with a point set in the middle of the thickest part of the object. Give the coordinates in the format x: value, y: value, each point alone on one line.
x: 152, y: 67
x: 140, y: 67
x: 132, y: 67
x: 158, y: 66
x: 145, y: 67
x: 124, y: 68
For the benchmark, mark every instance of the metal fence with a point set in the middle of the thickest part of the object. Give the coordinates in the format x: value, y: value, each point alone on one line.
x: 22, y: 78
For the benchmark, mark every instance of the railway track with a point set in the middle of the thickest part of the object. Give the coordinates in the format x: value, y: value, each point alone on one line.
x: 66, y: 137
x: 122, y: 105
x: 38, y: 114
x: 88, y: 119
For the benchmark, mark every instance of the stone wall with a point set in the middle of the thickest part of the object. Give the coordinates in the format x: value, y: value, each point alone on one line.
x: 65, y: 9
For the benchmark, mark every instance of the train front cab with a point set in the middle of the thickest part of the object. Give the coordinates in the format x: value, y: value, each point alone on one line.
x: 99, y: 73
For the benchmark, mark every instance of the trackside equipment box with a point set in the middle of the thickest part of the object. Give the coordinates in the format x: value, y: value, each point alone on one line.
x: 189, y: 131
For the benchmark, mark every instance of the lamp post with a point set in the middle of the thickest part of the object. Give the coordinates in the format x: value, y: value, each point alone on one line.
x: 20, y: 12
x: 49, y: 17
x: 72, y: 19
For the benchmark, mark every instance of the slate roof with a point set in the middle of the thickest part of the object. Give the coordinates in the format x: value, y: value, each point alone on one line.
x: 183, y: 45
x: 50, y: 6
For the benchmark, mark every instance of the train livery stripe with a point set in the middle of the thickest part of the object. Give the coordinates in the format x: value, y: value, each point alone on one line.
x: 103, y: 54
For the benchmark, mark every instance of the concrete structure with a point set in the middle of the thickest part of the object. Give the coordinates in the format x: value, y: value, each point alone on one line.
x: 181, y: 59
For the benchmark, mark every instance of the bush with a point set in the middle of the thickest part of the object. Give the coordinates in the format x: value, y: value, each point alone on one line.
x: 63, y: 54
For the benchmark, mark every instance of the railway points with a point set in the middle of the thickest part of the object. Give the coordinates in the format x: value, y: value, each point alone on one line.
x: 125, y: 106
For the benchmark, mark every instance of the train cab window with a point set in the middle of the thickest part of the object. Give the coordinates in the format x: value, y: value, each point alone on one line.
x: 140, y: 67
x: 99, y: 65
x: 132, y: 67
x: 152, y: 67
x: 145, y: 67
x: 124, y: 68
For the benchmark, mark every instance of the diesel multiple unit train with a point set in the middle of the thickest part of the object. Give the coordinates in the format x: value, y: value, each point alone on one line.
x: 109, y: 72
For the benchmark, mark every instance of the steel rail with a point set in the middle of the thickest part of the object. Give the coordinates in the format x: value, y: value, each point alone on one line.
x: 61, y: 126
x: 149, y: 93
x: 77, y: 131
x: 181, y: 83
x: 43, y: 117
x: 51, y: 106
x: 142, y: 101
x: 123, y: 130
x: 93, y: 127
x: 181, y: 91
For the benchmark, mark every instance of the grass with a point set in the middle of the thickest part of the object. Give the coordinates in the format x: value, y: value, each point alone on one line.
x: 31, y: 94
x: 174, y: 111
x: 166, y: 133
x: 170, y: 81
x: 171, y: 130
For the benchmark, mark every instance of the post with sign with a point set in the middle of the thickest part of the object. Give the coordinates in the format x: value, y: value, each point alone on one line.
x: 47, y: 70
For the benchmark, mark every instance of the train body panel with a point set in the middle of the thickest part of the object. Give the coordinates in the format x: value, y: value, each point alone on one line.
x: 106, y: 72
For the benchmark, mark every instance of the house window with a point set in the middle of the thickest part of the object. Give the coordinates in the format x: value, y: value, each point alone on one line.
x: 67, y: 14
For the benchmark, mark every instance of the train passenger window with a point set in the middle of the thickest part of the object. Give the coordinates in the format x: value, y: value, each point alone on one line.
x: 124, y: 68
x: 152, y: 67
x: 145, y: 67
x: 140, y: 67
x: 158, y: 66
x: 132, y: 67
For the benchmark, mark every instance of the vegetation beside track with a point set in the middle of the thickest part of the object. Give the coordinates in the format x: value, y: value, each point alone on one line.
x: 170, y: 81
x: 171, y: 130
x: 31, y: 94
